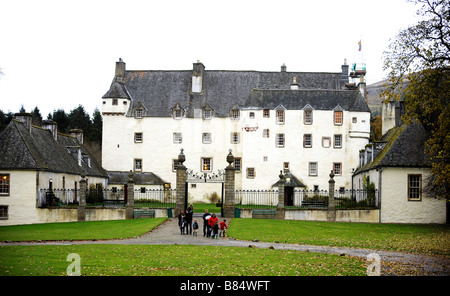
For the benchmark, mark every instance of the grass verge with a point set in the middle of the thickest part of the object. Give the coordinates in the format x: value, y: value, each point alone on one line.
x: 115, y: 229
x: 163, y: 260
x: 424, y: 239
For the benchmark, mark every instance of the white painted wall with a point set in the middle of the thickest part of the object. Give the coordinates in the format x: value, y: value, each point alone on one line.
x: 158, y: 149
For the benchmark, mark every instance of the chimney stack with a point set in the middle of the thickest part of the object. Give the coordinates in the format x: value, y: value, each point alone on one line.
x: 344, y: 76
x: 78, y: 134
x: 26, y: 119
x: 120, y: 69
x: 197, y: 77
x: 52, y: 127
x: 283, y: 68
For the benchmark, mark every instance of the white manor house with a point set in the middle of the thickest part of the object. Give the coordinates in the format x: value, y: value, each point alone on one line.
x: 301, y: 122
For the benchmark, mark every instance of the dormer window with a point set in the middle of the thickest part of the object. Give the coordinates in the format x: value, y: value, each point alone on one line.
x: 139, y: 113
x: 279, y: 114
x: 308, y: 115
x: 235, y: 113
x: 338, y: 115
x: 177, y: 111
x: 207, y: 112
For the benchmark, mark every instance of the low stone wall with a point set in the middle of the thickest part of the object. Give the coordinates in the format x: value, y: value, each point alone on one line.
x: 363, y: 216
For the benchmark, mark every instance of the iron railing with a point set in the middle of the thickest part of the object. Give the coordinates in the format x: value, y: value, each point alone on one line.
x: 154, y: 198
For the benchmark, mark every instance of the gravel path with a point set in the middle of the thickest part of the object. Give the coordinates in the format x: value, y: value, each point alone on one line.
x: 168, y: 233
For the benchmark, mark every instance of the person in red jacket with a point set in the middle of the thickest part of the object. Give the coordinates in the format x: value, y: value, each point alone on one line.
x: 211, y: 222
x: 223, y: 228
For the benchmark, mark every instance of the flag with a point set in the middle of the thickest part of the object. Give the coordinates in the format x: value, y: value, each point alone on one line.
x: 359, y: 43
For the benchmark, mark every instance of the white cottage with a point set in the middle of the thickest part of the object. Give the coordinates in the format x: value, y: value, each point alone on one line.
x: 398, y: 168
x: 35, y: 158
x: 307, y: 123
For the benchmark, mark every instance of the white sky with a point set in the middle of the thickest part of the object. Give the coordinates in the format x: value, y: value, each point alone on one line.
x: 59, y: 54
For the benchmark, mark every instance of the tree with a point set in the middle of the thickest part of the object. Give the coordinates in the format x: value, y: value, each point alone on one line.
x: 417, y: 62
x: 36, y: 117
x: 61, y: 118
x: 97, y: 126
x: 79, y: 119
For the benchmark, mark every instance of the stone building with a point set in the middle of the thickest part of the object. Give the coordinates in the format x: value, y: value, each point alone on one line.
x: 307, y: 123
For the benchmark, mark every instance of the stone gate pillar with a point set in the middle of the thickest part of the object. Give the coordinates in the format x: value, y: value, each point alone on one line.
x: 228, y: 208
x: 82, y: 203
x: 280, y: 206
x: 130, y: 197
x: 331, y: 205
x: 181, y: 184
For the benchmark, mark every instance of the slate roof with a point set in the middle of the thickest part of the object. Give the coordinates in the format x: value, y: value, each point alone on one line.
x: 160, y: 91
x: 349, y: 100
x: 405, y: 147
x: 144, y: 178
x: 38, y: 150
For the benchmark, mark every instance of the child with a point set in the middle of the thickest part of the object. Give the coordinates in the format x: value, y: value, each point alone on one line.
x: 223, y: 228
x: 215, y: 230
x: 195, y: 227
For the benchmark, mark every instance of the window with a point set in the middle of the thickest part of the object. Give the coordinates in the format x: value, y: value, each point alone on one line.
x: 338, y: 117
x: 251, y: 173
x: 415, y: 187
x: 115, y: 102
x: 138, y: 137
x: 235, y: 114
x: 177, y: 138
x: 280, y: 140
x: 266, y: 133
x: 142, y: 189
x: 307, y: 140
x: 139, y: 113
x: 337, y: 168
x: 206, y: 165
x: 237, y: 164
x: 138, y: 165
x: 177, y: 114
x: 265, y: 158
x: 326, y: 142
x: 337, y: 141
x: 266, y: 113
x: 3, y: 212
x: 312, y: 169
x: 307, y: 116
x: 234, y: 138
x: 280, y: 116
x: 207, y: 114
x: 4, y: 184
x: 286, y: 167
x: 354, y: 119
x: 206, y: 138
x: 251, y: 115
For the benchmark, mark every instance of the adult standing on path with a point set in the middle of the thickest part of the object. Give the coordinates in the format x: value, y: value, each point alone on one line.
x: 189, y: 214
x: 212, y: 221
x: 206, y: 216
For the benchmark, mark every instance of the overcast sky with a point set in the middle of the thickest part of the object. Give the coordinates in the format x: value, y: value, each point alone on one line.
x: 59, y: 54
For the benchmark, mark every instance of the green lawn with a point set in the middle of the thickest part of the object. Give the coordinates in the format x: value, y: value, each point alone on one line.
x: 79, y: 230
x: 424, y: 239
x: 145, y: 260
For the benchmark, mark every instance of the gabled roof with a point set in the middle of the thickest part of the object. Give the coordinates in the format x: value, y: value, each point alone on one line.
x: 144, y: 178
x: 38, y: 150
x: 323, y: 99
x: 159, y: 91
x: 405, y: 147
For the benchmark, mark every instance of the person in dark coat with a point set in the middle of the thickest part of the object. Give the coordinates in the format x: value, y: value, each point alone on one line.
x: 206, y: 216
x: 182, y: 221
x: 189, y: 214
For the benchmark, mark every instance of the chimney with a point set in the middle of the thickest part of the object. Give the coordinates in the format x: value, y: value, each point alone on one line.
x: 197, y: 75
x: 52, y: 127
x: 283, y: 68
x: 362, y: 87
x: 344, y: 76
x: 399, y: 111
x: 120, y: 69
x: 78, y: 134
x: 25, y: 118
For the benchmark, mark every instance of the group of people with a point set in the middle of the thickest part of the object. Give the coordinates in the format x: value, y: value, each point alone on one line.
x: 211, y: 226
